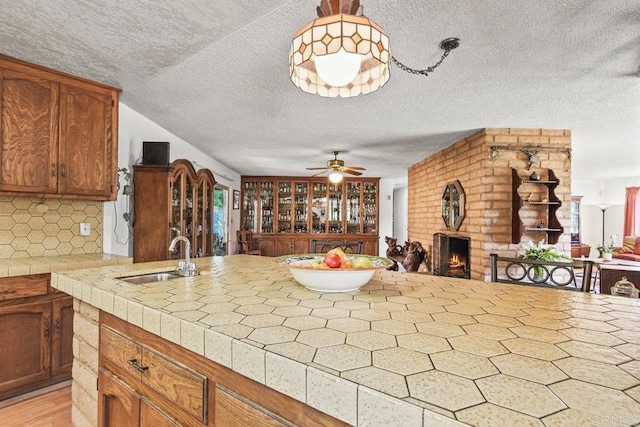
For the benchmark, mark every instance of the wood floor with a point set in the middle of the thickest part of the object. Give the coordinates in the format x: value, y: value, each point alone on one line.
x: 52, y: 409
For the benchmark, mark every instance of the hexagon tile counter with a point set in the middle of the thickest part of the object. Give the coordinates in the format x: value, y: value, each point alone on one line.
x: 406, y: 350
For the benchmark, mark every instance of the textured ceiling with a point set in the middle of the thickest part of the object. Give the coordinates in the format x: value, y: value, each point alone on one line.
x: 216, y: 75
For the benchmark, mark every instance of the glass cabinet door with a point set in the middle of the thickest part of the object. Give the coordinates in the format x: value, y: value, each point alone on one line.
x: 250, y: 206
x: 266, y: 201
x: 284, y: 207
x: 334, y: 210
x: 188, y: 208
x: 176, y: 210
x: 370, y: 208
x: 319, y: 208
x: 199, y: 239
x: 301, y: 222
x: 353, y: 207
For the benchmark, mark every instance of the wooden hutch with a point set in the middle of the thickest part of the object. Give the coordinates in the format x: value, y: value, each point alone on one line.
x: 287, y: 213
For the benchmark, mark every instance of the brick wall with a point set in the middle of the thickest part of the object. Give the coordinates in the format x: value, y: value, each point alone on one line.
x: 487, y: 186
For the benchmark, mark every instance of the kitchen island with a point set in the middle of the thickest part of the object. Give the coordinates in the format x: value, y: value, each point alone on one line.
x: 407, y: 349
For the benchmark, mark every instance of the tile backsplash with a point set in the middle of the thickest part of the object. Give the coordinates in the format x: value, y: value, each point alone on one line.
x: 31, y: 227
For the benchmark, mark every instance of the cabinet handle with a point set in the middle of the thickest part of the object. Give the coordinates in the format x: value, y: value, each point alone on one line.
x: 58, y: 326
x: 46, y: 328
x: 53, y: 169
x: 63, y: 170
x: 8, y: 291
x: 134, y: 363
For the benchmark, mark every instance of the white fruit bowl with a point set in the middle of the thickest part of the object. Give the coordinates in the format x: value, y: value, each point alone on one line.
x: 334, y: 279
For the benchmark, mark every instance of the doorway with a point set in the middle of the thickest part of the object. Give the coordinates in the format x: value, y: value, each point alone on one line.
x: 220, y: 220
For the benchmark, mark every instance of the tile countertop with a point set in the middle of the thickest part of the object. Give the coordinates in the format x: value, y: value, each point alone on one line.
x: 11, y: 267
x: 407, y: 349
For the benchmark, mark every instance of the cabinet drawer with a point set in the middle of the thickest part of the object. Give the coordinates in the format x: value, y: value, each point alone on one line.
x: 177, y: 383
x: 173, y: 381
x: 23, y: 286
x: 233, y: 411
x: 118, y: 352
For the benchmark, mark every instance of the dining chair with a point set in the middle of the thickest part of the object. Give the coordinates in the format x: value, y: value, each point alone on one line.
x: 319, y: 246
x: 247, y: 244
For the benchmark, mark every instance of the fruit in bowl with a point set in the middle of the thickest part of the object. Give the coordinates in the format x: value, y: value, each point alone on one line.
x: 334, y: 271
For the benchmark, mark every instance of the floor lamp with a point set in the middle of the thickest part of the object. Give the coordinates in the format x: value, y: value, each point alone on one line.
x: 604, y: 209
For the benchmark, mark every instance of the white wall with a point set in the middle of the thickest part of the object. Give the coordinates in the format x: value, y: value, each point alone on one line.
x: 385, y: 214
x: 400, y: 214
x: 602, y: 192
x: 133, y: 130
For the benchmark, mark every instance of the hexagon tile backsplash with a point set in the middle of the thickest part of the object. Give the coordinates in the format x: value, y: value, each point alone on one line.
x: 31, y: 227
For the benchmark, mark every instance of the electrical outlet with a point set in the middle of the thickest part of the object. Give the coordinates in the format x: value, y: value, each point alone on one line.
x: 85, y: 229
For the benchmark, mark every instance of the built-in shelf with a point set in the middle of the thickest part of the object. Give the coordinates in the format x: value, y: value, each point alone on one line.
x: 543, y: 190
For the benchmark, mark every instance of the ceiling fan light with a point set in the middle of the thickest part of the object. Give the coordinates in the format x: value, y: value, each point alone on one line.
x: 335, y: 177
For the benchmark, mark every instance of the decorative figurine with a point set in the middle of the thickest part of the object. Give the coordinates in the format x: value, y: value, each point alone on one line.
x: 535, y: 176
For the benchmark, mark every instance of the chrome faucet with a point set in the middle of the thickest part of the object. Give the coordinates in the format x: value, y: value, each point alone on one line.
x: 186, y: 267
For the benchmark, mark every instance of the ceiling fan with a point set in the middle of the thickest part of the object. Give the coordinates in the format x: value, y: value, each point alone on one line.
x: 337, y: 168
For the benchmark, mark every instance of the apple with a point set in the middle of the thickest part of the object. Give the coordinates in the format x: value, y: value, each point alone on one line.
x: 332, y: 260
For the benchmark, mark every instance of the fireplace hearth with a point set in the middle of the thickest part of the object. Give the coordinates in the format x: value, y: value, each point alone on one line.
x: 451, y: 256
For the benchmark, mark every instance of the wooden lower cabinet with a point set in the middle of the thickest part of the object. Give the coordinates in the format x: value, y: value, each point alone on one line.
x: 275, y: 245
x: 145, y: 380
x: 120, y: 406
x: 36, y: 335
x: 25, y: 331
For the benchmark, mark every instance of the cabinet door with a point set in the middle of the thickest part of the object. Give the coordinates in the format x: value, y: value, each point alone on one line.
x: 285, y: 247
x: 62, y: 338
x: 250, y: 206
x: 182, y: 210
x: 29, y: 131
x: 284, y: 207
x: 25, y: 358
x: 335, y: 209
x: 266, y: 207
x: 354, y: 188
x: 118, y: 404
x: 301, y: 208
x: 87, y: 142
x: 370, y: 208
x: 151, y: 416
x: 319, y: 208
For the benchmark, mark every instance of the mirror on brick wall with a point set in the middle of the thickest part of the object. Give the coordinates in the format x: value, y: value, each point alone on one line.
x: 453, y: 205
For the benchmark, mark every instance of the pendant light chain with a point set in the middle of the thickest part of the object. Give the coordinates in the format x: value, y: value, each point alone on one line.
x: 447, y: 45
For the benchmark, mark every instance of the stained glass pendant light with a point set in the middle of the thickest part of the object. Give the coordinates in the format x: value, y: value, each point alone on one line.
x: 342, y: 53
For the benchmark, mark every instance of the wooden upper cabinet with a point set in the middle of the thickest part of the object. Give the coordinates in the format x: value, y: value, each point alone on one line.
x: 29, y: 145
x: 58, y: 134
x: 87, y: 161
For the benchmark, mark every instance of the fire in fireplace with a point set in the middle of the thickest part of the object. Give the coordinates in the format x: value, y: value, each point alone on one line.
x: 451, y: 256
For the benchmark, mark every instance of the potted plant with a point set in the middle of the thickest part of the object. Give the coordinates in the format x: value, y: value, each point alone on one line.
x: 606, y: 251
x: 542, y: 252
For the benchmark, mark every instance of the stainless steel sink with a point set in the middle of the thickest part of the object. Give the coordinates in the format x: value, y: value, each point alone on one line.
x: 151, y: 277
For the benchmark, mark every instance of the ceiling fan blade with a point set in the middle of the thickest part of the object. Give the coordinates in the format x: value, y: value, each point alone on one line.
x: 355, y: 168
x: 317, y: 169
x: 351, y: 172
x: 320, y: 173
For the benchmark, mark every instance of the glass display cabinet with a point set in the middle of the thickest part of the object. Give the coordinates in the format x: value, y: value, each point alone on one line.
x: 303, y: 209
x: 179, y: 197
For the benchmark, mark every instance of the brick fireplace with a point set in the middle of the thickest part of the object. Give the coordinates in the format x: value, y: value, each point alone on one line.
x: 451, y: 256
x: 487, y: 182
